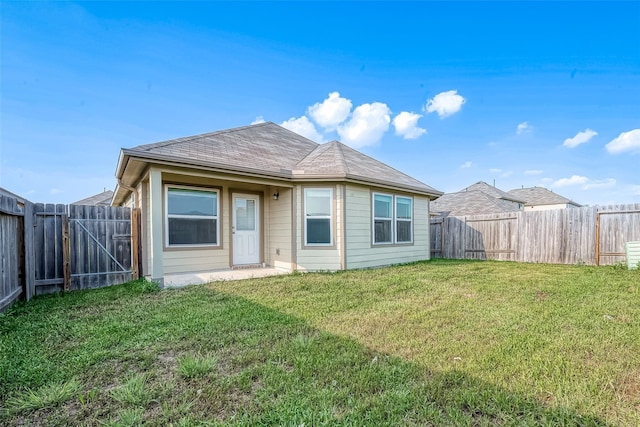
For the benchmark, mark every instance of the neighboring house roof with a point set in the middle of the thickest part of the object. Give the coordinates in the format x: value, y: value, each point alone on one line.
x: 100, y: 199
x: 493, y: 191
x: 471, y: 202
x: 537, y: 196
x: 267, y: 150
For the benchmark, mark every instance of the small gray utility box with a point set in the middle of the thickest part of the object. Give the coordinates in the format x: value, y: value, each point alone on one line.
x: 633, y: 254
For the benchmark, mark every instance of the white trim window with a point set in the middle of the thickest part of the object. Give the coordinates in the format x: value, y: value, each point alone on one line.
x: 392, y: 219
x: 382, y: 218
x: 318, y: 216
x: 404, y: 219
x: 191, y: 216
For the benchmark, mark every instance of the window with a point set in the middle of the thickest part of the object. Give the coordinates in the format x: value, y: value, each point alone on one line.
x: 318, y: 207
x: 192, y: 217
x: 392, y: 219
x: 404, y: 214
x: 382, y: 218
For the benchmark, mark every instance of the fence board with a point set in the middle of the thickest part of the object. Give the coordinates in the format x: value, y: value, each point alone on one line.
x: 589, y: 235
x: 11, y: 249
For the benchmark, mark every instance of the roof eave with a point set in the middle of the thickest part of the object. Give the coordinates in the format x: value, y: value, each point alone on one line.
x: 119, y: 195
x: 126, y: 155
x: 356, y: 179
x: 182, y: 162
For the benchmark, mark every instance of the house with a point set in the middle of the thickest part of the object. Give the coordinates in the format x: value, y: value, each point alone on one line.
x: 100, y: 199
x: 477, y: 199
x: 263, y: 195
x: 539, y: 198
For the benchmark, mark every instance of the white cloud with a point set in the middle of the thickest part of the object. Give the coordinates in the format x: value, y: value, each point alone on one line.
x: 626, y: 141
x: 258, y: 120
x: 603, y: 183
x: 580, y: 138
x: 445, y: 103
x: 495, y: 170
x: 304, y: 127
x: 366, y: 126
x: 524, y: 127
x: 330, y: 112
x: 506, y: 174
x: 533, y: 172
x: 406, y: 125
x: 567, y: 182
x: 466, y: 165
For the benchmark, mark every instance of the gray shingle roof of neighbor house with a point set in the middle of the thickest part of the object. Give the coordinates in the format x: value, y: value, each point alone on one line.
x: 535, y: 196
x: 100, y: 199
x: 269, y: 150
x: 493, y: 191
x: 471, y: 202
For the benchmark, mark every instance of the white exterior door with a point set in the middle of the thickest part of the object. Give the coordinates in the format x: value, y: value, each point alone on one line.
x: 246, y: 229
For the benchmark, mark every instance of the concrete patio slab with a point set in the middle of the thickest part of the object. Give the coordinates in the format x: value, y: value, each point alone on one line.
x: 184, y: 279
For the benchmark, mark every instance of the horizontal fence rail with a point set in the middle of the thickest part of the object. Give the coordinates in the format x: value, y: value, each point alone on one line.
x: 589, y: 235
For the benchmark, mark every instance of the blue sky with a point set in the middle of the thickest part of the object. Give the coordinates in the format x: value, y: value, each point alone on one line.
x: 451, y: 93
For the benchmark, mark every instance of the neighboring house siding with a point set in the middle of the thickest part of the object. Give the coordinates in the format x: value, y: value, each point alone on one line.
x: 359, y: 249
x: 548, y: 207
x: 321, y: 258
x: 280, y: 229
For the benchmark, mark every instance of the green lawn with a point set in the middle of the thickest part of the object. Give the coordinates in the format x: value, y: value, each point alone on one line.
x: 441, y: 343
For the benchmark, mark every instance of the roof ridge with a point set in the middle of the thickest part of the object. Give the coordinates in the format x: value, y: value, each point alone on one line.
x: 344, y: 160
x: 378, y: 161
x: 309, y: 154
x: 503, y: 194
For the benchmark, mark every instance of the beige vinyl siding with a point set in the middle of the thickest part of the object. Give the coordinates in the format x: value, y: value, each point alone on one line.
x: 359, y: 249
x: 321, y: 258
x: 142, y: 203
x: 279, y: 228
x: 188, y: 261
x: 276, y: 223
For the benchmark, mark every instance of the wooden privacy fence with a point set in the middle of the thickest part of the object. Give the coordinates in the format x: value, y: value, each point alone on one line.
x: 82, y: 247
x: 47, y: 248
x: 589, y: 235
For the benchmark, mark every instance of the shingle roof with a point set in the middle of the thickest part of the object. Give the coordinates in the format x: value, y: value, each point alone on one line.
x: 535, y: 196
x: 493, y: 191
x: 471, y: 202
x: 100, y: 199
x: 272, y: 150
x: 266, y: 147
x: 339, y: 160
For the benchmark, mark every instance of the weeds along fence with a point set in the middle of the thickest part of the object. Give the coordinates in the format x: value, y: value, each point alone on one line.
x: 589, y: 235
x: 47, y: 248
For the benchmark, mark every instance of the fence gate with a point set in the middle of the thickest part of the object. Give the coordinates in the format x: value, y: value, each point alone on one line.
x: 82, y: 247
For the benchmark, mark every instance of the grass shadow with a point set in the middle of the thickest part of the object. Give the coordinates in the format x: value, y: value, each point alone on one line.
x: 271, y: 368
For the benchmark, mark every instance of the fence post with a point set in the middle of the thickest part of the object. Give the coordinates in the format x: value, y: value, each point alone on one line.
x: 66, y: 253
x: 29, y: 251
x: 597, y: 238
